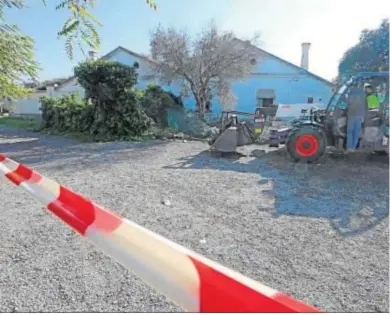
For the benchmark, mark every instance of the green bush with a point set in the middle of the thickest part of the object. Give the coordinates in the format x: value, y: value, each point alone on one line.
x: 117, y: 112
x: 105, y: 80
x: 66, y: 113
x: 122, y: 122
x: 156, y: 102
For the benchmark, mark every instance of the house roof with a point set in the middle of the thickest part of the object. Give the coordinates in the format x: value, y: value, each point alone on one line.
x: 144, y: 58
x: 148, y: 60
x: 289, y: 63
x: 108, y: 55
x: 43, y: 85
x: 40, y: 87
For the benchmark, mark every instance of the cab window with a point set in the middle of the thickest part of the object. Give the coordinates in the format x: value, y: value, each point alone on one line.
x: 336, y: 98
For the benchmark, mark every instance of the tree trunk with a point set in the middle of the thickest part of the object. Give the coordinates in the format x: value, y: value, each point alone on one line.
x: 201, y: 113
x: 202, y: 97
x: 200, y: 104
x: 202, y: 108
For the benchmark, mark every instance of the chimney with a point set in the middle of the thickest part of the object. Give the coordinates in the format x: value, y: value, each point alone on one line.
x: 93, y: 55
x: 305, y: 56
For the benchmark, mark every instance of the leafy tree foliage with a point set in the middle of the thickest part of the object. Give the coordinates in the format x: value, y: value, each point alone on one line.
x: 370, y: 54
x: 16, y: 56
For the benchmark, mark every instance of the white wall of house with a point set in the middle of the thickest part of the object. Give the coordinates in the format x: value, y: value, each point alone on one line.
x: 69, y: 87
x: 29, y: 105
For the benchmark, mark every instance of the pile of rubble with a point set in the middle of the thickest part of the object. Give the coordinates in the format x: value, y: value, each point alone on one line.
x: 189, y: 124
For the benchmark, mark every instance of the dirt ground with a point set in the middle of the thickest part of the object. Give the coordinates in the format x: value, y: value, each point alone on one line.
x: 317, y: 232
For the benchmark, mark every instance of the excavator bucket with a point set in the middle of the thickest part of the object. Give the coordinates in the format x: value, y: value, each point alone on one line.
x: 233, y: 137
x: 226, y: 141
x: 234, y: 134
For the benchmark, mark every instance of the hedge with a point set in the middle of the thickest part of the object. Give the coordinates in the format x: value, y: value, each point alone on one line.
x: 66, y: 113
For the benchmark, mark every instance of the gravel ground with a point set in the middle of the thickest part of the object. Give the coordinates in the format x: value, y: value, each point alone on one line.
x: 319, y: 233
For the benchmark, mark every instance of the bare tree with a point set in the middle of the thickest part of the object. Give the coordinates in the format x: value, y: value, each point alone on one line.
x: 205, y: 66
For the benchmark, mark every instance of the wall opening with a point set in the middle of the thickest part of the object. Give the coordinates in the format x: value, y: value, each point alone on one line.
x: 268, y: 102
x: 265, y: 97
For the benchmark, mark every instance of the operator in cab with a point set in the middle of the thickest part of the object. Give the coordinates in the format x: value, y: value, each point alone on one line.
x: 372, y: 99
x: 357, y: 110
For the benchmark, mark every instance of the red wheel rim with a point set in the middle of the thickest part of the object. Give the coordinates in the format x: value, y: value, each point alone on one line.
x: 306, y: 145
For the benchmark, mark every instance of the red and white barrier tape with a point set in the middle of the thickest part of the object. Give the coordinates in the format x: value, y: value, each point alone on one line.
x: 195, y: 283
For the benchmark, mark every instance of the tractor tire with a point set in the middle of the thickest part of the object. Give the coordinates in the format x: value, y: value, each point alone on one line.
x: 306, y: 145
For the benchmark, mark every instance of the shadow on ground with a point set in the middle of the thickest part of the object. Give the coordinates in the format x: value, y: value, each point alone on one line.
x: 351, y: 192
x: 34, y: 149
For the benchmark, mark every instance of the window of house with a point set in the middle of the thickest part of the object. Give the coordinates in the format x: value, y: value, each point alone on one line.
x: 265, y: 97
x: 267, y: 102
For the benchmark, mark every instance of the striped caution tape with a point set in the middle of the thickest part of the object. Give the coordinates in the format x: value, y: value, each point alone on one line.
x: 195, y: 283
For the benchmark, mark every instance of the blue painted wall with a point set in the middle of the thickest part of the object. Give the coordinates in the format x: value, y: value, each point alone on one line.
x: 291, y: 85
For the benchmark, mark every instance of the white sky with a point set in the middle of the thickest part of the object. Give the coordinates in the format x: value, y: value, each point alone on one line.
x: 332, y: 26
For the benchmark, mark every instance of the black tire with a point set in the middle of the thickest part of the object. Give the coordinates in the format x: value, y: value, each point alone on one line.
x: 316, y: 146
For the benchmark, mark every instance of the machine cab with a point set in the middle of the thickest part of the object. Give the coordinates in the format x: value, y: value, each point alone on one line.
x: 376, y: 119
